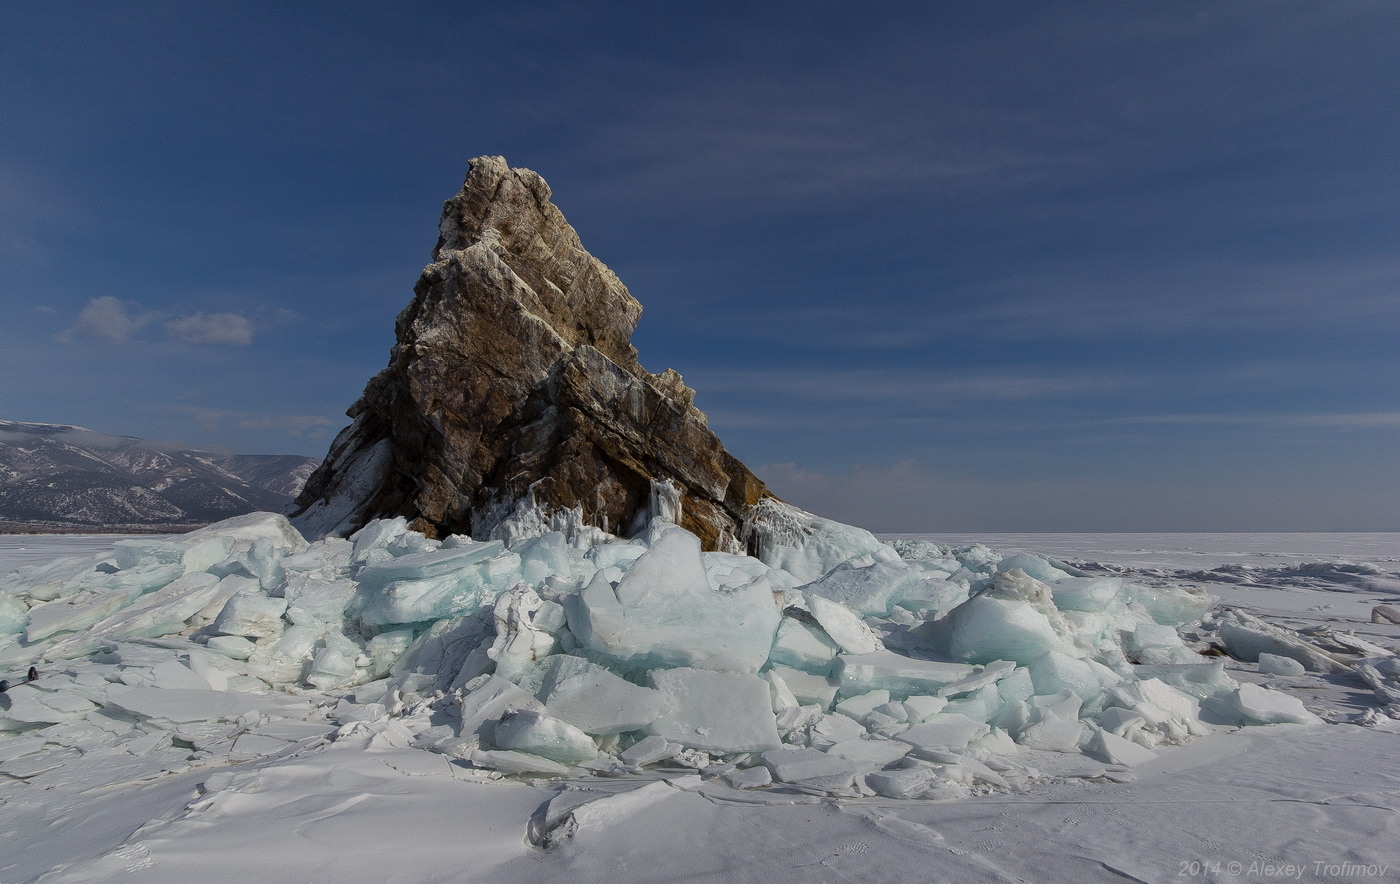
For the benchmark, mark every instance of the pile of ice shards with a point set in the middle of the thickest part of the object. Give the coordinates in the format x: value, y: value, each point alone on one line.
x: 829, y: 663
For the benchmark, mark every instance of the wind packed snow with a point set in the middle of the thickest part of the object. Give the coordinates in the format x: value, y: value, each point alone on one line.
x: 832, y: 665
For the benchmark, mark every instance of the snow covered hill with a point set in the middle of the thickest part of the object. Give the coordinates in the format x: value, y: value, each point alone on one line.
x: 57, y: 478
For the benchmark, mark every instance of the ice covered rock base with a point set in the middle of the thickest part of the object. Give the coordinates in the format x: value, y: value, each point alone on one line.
x: 833, y: 664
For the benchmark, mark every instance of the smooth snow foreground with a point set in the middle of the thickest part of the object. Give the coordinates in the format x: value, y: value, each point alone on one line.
x: 559, y: 703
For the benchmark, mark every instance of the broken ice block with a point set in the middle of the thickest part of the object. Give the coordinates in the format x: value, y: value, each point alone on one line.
x: 311, y: 602
x: 650, y: 750
x: 1036, y: 566
x: 808, y: 688
x: 844, y: 626
x: 1089, y: 595
x: 1055, y: 723
x: 488, y: 698
x: 984, y: 628
x: 861, y: 705
x: 1273, y: 664
x: 664, y: 612
x: 523, y: 635
x: 108, y: 593
x: 1200, y: 680
x: 869, y: 752
x: 900, y: 675
x: 947, y: 731
x: 251, y: 615
x: 1054, y: 671
x: 595, y: 700
x: 1247, y: 637
x: 718, y: 711
x: 1116, y: 750
x: 14, y: 615
x: 802, y: 544
x: 511, y: 762
x: 921, y: 706
x: 528, y: 731
x: 427, y: 565
x: 872, y: 589
x: 912, y: 782
x: 1169, y: 606
x: 1257, y: 705
x: 145, y: 551
x: 796, y: 765
x: 243, y: 530
x: 803, y: 646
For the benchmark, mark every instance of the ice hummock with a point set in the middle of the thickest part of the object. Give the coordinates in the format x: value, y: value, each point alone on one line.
x: 829, y: 663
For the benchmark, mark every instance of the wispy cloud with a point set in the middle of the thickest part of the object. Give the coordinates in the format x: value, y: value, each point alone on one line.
x: 214, y: 328
x: 111, y: 320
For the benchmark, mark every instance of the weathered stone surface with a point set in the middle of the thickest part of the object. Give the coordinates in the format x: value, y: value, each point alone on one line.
x: 514, y: 373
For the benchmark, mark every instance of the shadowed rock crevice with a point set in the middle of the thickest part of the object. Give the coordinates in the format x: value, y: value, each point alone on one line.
x: 513, y: 374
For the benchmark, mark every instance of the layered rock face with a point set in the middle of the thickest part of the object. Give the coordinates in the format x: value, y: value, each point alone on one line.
x: 514, y: 376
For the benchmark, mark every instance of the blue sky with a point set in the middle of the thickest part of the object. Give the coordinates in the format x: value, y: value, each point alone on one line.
x: 1003, y: 266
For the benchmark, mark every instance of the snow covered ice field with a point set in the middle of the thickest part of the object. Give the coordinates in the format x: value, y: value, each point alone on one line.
x: 269, y: 737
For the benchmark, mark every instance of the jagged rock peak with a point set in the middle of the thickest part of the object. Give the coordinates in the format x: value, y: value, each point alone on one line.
x: 513, y: 378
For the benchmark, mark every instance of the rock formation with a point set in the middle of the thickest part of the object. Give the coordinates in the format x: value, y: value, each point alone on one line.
x: 513, y: 378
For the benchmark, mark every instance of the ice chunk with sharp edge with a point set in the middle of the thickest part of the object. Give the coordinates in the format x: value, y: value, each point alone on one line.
x: 14, y: 615
x: 526, y: 730
x: 509, y: 761
x: 385, y: 649
x: 1054, y: 671
x: 1114, y: 749
x: 251, y: 615
x: 1273, y: 664
x: 1258, y: 705
x: 135, y: 552
x: 944, y: 730
x: 900, y: 675
x: 808, y: 688
x: 719, y: 711
x: 844, y: 626
x: 872, y: 589
x: 985, y: 628
x: 246, y: 529
x: 664, y: 612
x: 803, y: 646
x: 796, y: 765
x: 107, y: 595
x: 1055, y: 723
x: 488, y: 698
x: 427, y: 565
x: 861, y: 705
x: 1036, y: 566
x: 594, y: 699
x: 650, y: 750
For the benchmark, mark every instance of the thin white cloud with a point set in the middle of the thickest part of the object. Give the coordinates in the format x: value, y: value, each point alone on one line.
x: 110, y: 320
x: 213, y: 328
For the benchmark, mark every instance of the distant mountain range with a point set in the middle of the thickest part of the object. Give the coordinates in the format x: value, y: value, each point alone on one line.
x: 56, y: 478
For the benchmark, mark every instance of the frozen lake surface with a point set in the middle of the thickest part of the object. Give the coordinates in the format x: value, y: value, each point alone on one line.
x: 1293, y: 802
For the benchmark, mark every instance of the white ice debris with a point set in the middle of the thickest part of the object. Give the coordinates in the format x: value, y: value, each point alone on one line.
x: 831, y: 663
